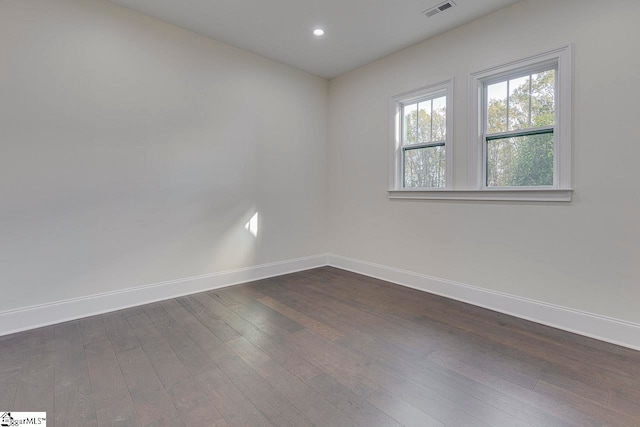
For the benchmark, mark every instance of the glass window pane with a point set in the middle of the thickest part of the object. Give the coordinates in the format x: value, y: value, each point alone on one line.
x: 409, y: 124
x: 520, y: 161
x: 497, y: 107
x: 519, y: 103
x: 439, y: 119
x: 543, y: 98
x: 424, y: 167
x: 424, y: 121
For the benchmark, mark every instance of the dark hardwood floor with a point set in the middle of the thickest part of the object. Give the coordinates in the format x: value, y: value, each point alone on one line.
x: 317, y: 348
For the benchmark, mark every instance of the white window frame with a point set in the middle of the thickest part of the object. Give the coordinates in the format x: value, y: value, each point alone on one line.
x: 561, y: 60
x: 396, y: 157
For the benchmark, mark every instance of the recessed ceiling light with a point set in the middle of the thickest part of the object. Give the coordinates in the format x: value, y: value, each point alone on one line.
x: 318, y: 32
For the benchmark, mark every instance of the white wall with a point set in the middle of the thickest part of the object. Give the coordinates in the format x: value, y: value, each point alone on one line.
x: 134, y: 152
x: 583, y: 255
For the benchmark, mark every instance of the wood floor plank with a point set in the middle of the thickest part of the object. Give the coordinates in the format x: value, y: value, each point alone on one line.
x: 151, y: 401
x: 273, y: 346
x: 9, y: 379
x: 156, y: 313
x: 626, y: 402
x: 562, y: 363
x: 153, y: 404
x: 346, y: 366
x: 120, y: 333
x: 139, y: 321
x: 34, y: 392
x: 73, y: 398
x: 93, y: 329
x: 14, y: 352
x: 212, y: 322
x: 304, y: 320
x: 556, y: 408
x: 261, y: 316
x: 226, y: 314
x: 307, y: 400
x: 132, y: 311
x: 113, y: 403
x: 225, y: 300
x: 234, y: 406
x: 357, y: 409
x: 408, y: 415
x: 187, y: 396
x: 554, y: 367
x: 339, y: 309
x: 454, y: 386
x: 600, y: 413
x: 264, y: 397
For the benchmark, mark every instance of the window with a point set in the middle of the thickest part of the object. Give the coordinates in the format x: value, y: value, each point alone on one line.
x: 519, y: 145
x: 521, y: 124
x: 421, y: 139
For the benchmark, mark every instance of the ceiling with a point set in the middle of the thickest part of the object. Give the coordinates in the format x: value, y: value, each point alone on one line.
x: 357, y: 31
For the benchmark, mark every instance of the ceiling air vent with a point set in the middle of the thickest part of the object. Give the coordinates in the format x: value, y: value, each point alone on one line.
x: 439, y: 8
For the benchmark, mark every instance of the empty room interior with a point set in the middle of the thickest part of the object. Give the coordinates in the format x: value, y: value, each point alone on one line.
x: 297, y: 213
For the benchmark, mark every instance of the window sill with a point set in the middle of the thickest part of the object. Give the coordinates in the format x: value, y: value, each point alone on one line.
x: 522, y: 195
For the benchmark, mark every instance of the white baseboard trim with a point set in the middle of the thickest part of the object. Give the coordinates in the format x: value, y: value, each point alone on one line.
x: 619, y: 332
x: 22, y: 319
